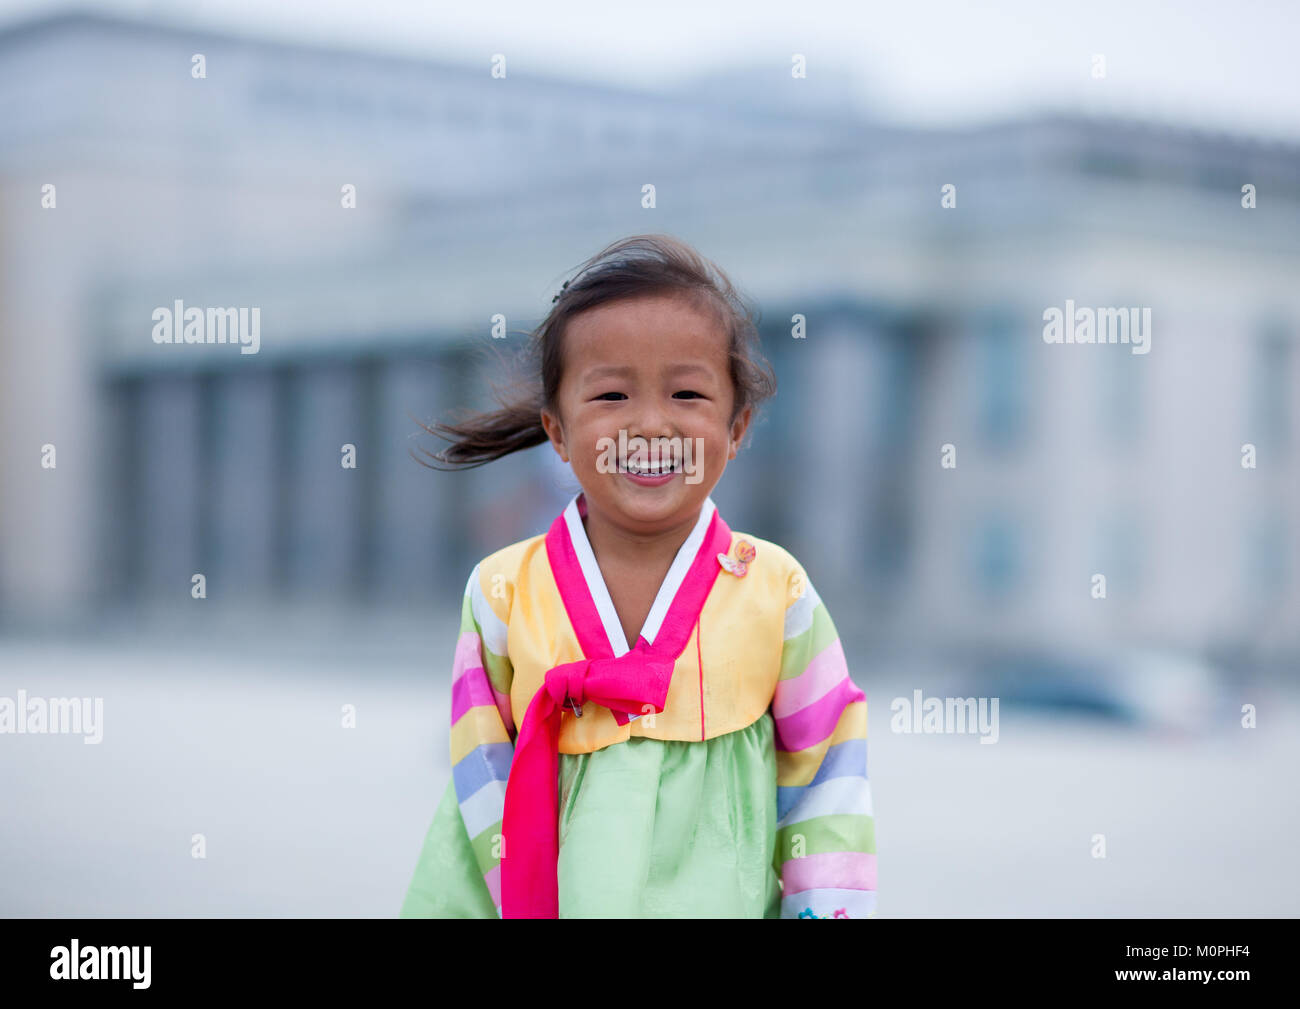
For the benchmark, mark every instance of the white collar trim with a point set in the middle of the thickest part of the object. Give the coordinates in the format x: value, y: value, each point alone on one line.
x: 667, y: 591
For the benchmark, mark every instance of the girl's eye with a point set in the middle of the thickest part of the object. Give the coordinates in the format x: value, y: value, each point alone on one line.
x: 683, y: 393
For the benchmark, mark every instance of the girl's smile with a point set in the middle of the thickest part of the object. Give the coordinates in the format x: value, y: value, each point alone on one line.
x: 646, y: 479
x: 651, y: 463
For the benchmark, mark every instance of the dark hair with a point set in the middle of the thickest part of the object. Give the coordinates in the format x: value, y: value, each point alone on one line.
x: 630, y: 267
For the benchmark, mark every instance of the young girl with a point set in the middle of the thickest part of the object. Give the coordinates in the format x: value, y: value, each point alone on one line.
x: 717, y: 767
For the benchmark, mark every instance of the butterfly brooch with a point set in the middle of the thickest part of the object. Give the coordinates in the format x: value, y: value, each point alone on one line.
x: 738, y: 565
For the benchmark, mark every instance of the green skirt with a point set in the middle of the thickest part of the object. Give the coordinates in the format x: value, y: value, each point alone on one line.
x: 648, y: 829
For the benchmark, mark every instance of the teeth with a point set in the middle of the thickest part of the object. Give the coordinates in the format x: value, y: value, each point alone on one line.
x: 659, y: 469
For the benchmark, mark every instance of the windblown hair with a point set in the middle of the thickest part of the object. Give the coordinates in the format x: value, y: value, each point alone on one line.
x: 630, y: 267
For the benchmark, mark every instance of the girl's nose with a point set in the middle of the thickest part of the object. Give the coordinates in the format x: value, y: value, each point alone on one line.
x: 654, y: 423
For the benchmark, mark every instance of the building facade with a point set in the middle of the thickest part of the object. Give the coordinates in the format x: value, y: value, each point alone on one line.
x: 932, y: 459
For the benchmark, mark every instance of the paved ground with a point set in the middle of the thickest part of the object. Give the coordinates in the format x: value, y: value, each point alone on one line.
x: 305, y: 818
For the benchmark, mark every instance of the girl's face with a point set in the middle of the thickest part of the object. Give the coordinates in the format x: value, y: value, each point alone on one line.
x: 636, y: 371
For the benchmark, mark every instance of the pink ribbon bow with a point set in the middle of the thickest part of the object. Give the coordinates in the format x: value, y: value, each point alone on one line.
x: 530, y: 824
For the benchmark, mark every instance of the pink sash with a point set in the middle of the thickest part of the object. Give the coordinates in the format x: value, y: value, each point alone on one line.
x: 626, y: 685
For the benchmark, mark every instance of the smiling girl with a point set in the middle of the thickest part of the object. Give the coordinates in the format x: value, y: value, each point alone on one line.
x: 717, y: 766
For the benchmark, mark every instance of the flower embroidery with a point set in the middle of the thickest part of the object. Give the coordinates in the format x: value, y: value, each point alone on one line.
x: 840, y: 912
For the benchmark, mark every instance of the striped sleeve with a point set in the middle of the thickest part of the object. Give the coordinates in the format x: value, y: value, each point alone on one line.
x: 482, y: 729
x: 826, y: 840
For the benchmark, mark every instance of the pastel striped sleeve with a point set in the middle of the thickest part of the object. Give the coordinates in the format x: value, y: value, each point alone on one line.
x: 482, y: 729
x: 826, y: 840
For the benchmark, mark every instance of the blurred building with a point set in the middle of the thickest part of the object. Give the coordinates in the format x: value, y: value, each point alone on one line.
x: 476, y: 195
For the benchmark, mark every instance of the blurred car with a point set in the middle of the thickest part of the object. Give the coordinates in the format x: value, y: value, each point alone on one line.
x: 1142, y: 687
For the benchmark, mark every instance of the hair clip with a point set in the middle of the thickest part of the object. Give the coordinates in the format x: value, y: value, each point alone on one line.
x: 563, y: 288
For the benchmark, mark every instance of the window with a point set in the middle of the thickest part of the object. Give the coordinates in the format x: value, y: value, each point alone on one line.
x: 1120, y: 552
x: 1266, y: 546
x: 1121, y: 378
x: 1270, y: 393
x: 997, y: 555
x: 1000, y: 371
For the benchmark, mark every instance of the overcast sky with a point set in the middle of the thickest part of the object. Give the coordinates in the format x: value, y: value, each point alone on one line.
x: 1222, y: 65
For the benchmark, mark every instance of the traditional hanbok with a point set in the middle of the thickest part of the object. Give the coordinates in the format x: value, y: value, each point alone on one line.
x: 718, y: 768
